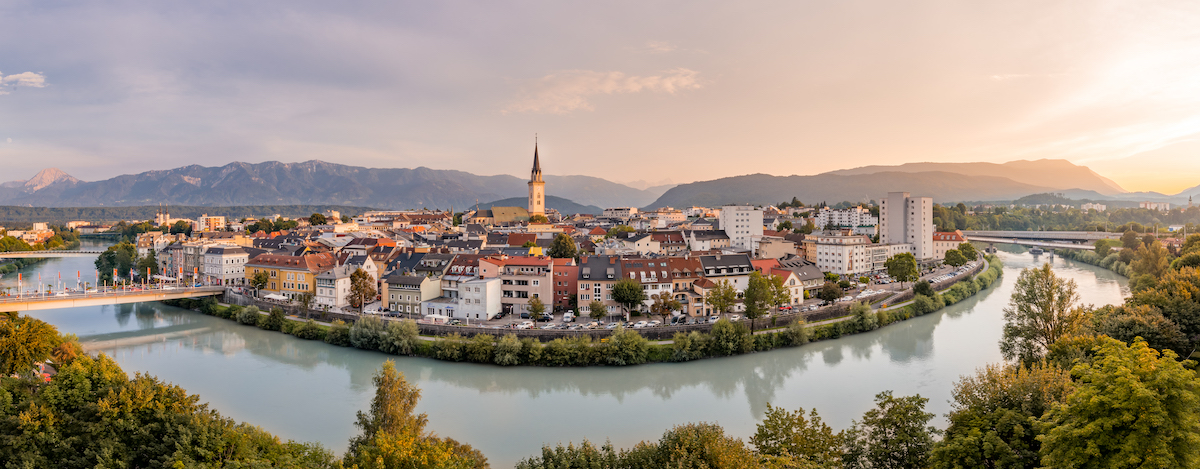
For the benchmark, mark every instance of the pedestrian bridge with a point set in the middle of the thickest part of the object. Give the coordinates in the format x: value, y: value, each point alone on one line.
x: 1077, y: 236
x: 28, y: 301
x: 44, y: 254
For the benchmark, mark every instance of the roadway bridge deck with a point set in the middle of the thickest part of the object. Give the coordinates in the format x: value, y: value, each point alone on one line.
x: 1087, y: 236
x: 1032, y: 243
x: 44, y: 254
x: 40, y: 301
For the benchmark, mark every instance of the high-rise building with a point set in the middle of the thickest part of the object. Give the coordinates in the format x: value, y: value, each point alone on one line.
x: 907, y: 220
x: 743, y: 224
x: 537, y: 187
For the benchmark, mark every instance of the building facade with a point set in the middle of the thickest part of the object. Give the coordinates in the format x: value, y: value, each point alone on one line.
x: 907, y: 220
x: 743, y: 224
x: 537, y: 187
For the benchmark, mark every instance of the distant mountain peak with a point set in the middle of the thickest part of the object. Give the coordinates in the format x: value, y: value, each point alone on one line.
x: 42, y: 179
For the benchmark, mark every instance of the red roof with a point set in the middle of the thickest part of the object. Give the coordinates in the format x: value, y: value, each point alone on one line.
x: 519, y: 239
x: 955, y: 235
x: 764, y: 265
x: 598, y: 231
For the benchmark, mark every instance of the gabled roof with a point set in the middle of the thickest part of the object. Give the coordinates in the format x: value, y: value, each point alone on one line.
x: 314, y: 263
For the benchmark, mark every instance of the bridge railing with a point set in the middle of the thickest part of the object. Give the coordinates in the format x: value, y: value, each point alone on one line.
x: 106, y: 292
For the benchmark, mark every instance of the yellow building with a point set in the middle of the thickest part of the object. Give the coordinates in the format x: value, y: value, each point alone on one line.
x: 289, y: 276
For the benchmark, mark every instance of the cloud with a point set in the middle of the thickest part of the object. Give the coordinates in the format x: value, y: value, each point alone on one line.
x: 658, y: 47
x: 568, y: 90
x: 26, y: 79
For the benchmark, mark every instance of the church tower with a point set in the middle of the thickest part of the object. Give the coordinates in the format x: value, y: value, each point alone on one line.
x: 537, y: 187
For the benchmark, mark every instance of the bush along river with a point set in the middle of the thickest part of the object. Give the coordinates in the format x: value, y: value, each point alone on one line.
x: 309, y: 390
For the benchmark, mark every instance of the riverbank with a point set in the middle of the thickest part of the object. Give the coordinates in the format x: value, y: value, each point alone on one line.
x: 623, y: 347
x: 1111, y: 262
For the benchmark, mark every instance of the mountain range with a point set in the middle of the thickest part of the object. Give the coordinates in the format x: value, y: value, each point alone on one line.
x: 310, y: 182
x: 319, y: 182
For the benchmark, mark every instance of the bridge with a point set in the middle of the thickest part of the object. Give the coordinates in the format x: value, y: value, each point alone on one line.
x: 28, y: 301
x: 1074, y: 236
x: 1033, y: 243
x: 44, y: 254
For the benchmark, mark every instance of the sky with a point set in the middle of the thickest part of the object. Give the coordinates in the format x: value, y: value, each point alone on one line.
x: 670, y: 91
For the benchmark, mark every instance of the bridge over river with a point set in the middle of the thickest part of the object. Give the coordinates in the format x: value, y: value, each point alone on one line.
x: 46, y: 254
x: 27, y: 301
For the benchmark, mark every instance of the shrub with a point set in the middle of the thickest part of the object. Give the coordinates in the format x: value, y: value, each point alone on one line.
x: 309, y: 330
x: 924, y: 305
x: 531, y: 351
x: 923, y: 288
x: 288, y: 326
x: 795, y: 333
x: 764, y: 342
x: 557, y: 353
x: 368, y: 333
x: 449, y: 348
x: 730, y: 338
x: 209, y: 306
x: 401, y: 337
x: 625, y: 347
x: 883, y: 317
x: 479, y: 349
x: 230, y: 313
x: 338, y: 334
x: 507, y: 351
x: 582, y: 351
x: 249, y: 316
x: 864, y: 319
x: 273, y: 321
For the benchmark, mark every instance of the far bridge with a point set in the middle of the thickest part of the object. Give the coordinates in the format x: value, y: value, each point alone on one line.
x: 1068, y: 236
x: 30, y: 301
x: 45, y: 254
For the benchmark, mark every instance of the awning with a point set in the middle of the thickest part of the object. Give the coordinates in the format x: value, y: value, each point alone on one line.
x: 275, y: 297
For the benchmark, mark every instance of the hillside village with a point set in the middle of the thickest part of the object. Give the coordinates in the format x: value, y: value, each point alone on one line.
x: 488, y: 263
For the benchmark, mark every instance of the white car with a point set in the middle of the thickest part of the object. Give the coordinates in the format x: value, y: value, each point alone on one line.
x: 639, y: 324
x: 735, y: 318
x: 712, y: 319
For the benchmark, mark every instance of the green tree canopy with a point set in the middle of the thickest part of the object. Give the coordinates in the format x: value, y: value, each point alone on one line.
x: 317, y: 219
x: 563, y: 247
x: 628, y: 293
x: 829, y: 292
x: 1041, y: 310
x: 798, y: 439
x: 892, y: 435
x: 362, y: 289
x: 721, y: 297
x: 955, y: 258
x: 968, y: 250
x: 1133, y: 408
x: 903, y: 268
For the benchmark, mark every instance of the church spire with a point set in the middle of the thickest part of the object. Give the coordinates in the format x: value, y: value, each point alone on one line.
x: 536, y: 174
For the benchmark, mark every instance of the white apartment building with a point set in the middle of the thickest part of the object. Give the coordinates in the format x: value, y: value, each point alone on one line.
x: 743, y: 224
x: 333, y: 287
x: 847, y: 218
x: 1091, y: 206
x: 479, y: 299
x: 620, y: 212
x: 907, y: 220
x: 210, y: 223
x: 225, y: 265
x: 1159, y: 206
x: 853, y: 255
x: 666, y: 216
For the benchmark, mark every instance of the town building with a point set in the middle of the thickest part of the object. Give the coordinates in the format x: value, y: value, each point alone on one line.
x: 333, y: 288
x: 521, y: 279
x: 406, y: 293
x: 1093, y: 206
x: 853, y: 218
x: 537, y: 187
x: 906, y: 220
x: 289, y: 276
x: 1159, y: 206
x: 479, y: 299
x: 225, y: 265
x: 743, y: 224
x: 623, y: 213
x: 946, y: 240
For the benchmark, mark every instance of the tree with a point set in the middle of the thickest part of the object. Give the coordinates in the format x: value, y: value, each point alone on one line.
x: 664, y: 304
x: 181, y: 227
x: 721, y: 297
x: 1151, y: 259
x: 1130, y: 241
x: 538, y: 219
x: 618, y: 230
x: 23, y: 342
x: 305, y: 300
x: 924, y: 288
x: 832, y: 277
x: 829, y: 292
x: 1104, y: 247
x: 362, y: 289
x: 892, y: 435
x: 954, y: 258
x: 148, y: 263
x: 597, y: 309
x: 1133, y: 408
x: 536, y: 307
x: 259, y: 280
x: 903, y: 268
x: 563, y: 247
x: 317, y: 219
x: 1175, y: 295
x: 628, y: 293
x: 993, y: 418
x: 394, y: 436
x: 529, y: 244
x: 121, y: 256
x: 785, y: 225
x: 1127, y: 323
x: 801, y: 440
x: 968, y: 251
x: 758, y: 297
x: 808, y: 227
x: 1040, y: 311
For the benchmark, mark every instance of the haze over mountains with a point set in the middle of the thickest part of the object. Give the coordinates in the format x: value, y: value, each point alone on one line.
x: 318, y: 182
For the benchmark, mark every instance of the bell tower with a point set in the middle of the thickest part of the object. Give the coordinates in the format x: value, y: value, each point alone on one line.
x: 537, y: 186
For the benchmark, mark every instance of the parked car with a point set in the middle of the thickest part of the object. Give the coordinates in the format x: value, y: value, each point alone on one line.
x: 525, y: 315
x: 712, y: 319
x: 654, y: 323
x: 735, y: 318
x: 639, y: 324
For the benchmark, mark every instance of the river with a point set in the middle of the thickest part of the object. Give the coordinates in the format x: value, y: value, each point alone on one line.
x: 310, y: 391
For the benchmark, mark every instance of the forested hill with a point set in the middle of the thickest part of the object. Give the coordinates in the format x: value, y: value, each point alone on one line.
x: 11, y: 214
